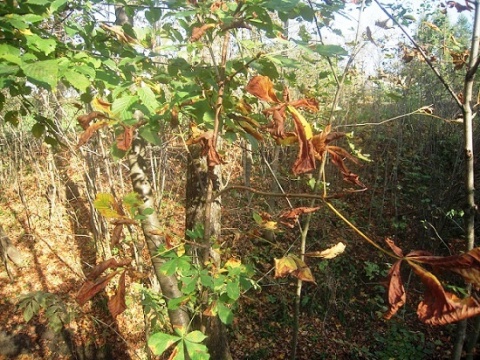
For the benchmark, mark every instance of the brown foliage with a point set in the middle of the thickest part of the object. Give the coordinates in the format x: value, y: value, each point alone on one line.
x: 116, y: 304
x: 439, y: 307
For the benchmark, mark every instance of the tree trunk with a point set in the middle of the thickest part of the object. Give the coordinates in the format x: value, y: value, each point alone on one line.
x: 150, y: 226
x: 198, y: 179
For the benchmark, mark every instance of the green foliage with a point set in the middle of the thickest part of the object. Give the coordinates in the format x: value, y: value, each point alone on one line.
x: 398, y: 342
x: 54, y: 309
x: 188, y: 345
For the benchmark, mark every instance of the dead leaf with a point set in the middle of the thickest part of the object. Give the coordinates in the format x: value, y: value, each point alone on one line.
x: 305, y: 161
x: 117, y: 235
x: 85, y: 120
x: 440, y: 307
x: 116, y: 304
x: 293, y: 214
x: 329, y: 253
x: 107, y: 264
x: 198, y: 32
x: 124, y: 140
x: 88, y: 133
x: 459, y: 59
x: 466, y: 265
x: 262, y: 88
x: 89, y: 289
x: 396, y: 291
x: 208, y: 149
x: 292, y: 265
x: 101, y: 105
x: 119, y: 33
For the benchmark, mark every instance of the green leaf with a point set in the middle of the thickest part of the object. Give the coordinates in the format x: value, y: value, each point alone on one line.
x: 224, y: 313
x: 104, y: 204
x: 150, y: 135
x: 281, y: 5
x: 180, y: 352
x: 13, y: 117
x: 195, y: 336
x: 258, y: 219
x: 46, y: 46
x: 120, y: 106
x: 174, y: 304
x: 148, y: 98
x: 233, y: 290
x: 197, y: 351
x: 153, y: 15
x: 77, y: 80
x: 43, y: 72
x: 38, y: 130
x: 10, y: 53
x: 159, y: 342
x: 330, y: 50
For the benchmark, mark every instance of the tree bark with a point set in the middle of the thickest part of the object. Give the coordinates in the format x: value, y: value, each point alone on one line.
x: 198, y: 179
x: 150, y: 226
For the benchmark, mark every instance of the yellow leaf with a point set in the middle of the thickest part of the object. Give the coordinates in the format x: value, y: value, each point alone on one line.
x: 101, y: 105
x: 305, y: 124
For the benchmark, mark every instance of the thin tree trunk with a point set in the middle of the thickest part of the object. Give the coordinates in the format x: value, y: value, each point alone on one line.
x: 469, y: 160
x: 196, y: 213
x: 150, y: 226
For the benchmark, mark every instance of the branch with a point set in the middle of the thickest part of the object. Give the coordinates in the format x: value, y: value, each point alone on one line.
x: 284, y: 195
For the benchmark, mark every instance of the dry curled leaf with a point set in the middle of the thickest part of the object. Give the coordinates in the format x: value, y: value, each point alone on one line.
x: 198, y: 32
x: 88, y: 133
x: 125, y: 139
x: 85, y: 120
x: 262, y: 88
x: 205, y: 139
x: 292, y: 265
x: 91, y: 288
x: 292, y: 215
x: 116, y: 304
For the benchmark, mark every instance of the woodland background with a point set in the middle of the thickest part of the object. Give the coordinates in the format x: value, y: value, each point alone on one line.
x: 81, y: 80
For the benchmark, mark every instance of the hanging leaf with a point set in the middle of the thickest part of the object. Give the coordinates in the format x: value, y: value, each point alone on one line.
x: 107, y: 264
x: 292, y: 215
x: 208, y: 149
x: 306, y: 154
x: 440, y: 307
x: 125, y: 139
x: 88, y: 133
x: 396, y: 291
x: 262, y: 88
x: 85, y: 120
x: 116, y: 304
x: 292, y: 265
x: 198, y: 32
x: 89, y: 289
x: 101, y: 105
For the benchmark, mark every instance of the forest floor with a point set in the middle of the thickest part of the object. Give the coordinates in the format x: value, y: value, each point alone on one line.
x: 340, y: 316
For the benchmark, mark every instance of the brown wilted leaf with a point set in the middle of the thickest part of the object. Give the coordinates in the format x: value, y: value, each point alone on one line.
x: 292, y: 265
x: 124, y: 140
x: 440, y: 307
x: 116, y: 304
x: 85, y: 120
x: 117, y: 235
x: 277, y: 127
x: 459, y: 59
x: 208, y: 149
x: 107, y: 264
x: 330, y: 253
x: 198, y: 32
x: 337, y: 154
x: 292, y: 215
x: 394, y: 247
x: 262, y: 88
x: 396, y: 291
x: 90, y: 288
x: 88, y: 133
x: 305, y: 161
x: 466, y: 265
x: 460, y: 7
